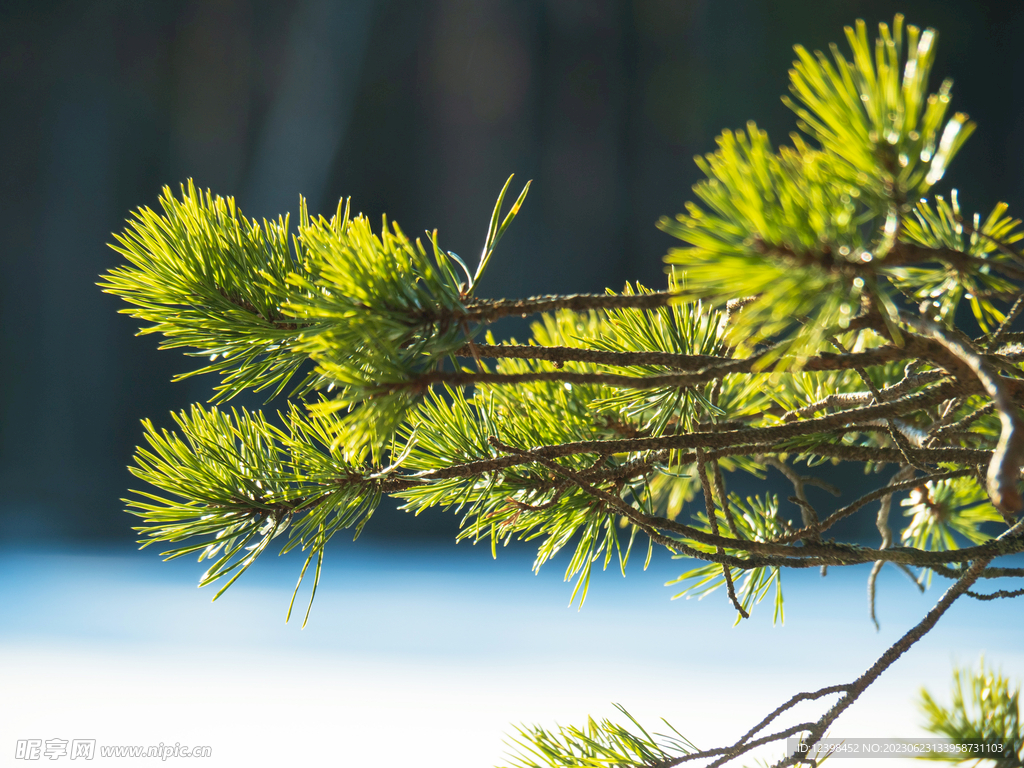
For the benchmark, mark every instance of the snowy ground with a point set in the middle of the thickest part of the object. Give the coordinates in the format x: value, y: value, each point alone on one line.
x: 424, y: 657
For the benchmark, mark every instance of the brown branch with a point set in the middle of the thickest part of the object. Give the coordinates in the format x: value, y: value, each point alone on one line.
x: 822, y: 362
x: 725, y: 754
x: 850, y: 691
x: 709, y: 506
x: 706, y: 364
x: 792, y: 702
x: 466, y: 379
x: 829, y: 553
x: 764, y: 435
x: 898, y: 437
x: 771, y: 553
x: 911, y: 253
x: 882, y: 522
x: 949, y: 409
x: 562, y: 355
x: 723, y: 498
x: 1004, y: 469
x: 965, y: 422
x: 866, y: 453
x: 897, y: 649
x: 988, y: 573
x: 639, y: 467
x: 489, y: 310
x: 683, y: 442
x: 867, y: 498
x: 843, y: 399
x: 1002, y: 593
x: 614, y: 501
x: 650, y: 525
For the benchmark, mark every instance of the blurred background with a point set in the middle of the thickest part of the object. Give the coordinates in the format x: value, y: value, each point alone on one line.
x: 419, y: 109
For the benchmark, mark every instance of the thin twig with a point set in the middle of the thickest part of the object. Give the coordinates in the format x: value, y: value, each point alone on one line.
x: 882, y: 523
x: 988, y: 573
x: 599, y: 357
x: 723, y: 498
x: 897, y: 649
x: 1002, y: 593
x: 850, y: 691
x: 898, y: 437
x: 709, y: 505
x: 701, y: 376
x: 965, y: 422
x: 489, y: 310
x: 879, y: 493
x: 772, y: 553
x: 1004, y: 326
x: 808, y: 513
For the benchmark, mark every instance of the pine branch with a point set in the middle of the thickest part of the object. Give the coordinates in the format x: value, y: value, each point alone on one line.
x: 1004, y: 469
x: 705, y: 365
x: 621, y: 407
x: 489, y: 310
x: 562, y: 355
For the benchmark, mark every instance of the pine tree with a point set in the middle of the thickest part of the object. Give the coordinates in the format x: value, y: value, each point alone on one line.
x: 815, y: 311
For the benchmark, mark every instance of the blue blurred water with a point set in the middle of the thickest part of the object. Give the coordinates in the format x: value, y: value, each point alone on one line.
x: 440, y: 648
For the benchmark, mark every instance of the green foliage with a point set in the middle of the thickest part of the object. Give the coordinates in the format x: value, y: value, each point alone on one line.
x: 372, y: 311
x: 944, y: 288
x: 530, y: 501
x: 208, y: 279
x: 779, y: 228
x: 807, y: 230
x: 600, y: 744
x: 810, y: 316
x: 756, y: 519
x: 882, y: 128
x: 682, y: 329
x: 496, y: 230
x: 244, y: 482
x: 389, y: 311
x: 940, y: 509
x: 985, y: 712
x: 793, y: 391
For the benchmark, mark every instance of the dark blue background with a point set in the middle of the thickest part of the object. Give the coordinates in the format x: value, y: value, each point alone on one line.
x: 418, y: 109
